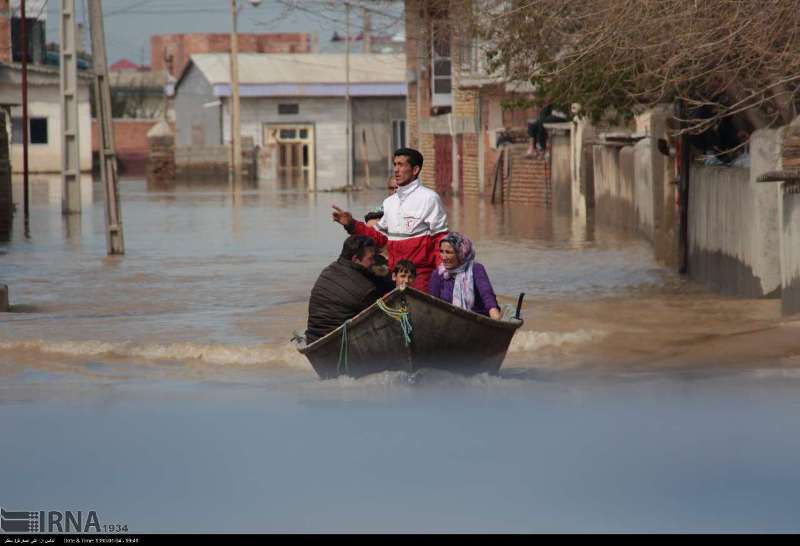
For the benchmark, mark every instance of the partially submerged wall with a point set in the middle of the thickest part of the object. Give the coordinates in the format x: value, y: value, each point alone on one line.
x: 734, y: 237
x: 614, y: 186
x: 646, y: 179
x: 560, y: 170
x: 582, y: 168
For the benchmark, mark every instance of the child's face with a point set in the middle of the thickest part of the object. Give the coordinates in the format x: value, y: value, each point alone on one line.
x: 402, y: 278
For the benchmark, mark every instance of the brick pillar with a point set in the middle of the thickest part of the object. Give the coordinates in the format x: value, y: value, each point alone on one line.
x: 161, y: 161
x: 5, y: 32
x: 413, y: 50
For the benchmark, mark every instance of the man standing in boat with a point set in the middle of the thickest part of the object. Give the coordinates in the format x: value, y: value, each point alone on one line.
x: 414, y: 220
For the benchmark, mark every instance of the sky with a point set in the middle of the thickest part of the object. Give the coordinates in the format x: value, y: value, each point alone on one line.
x: 130, y: 23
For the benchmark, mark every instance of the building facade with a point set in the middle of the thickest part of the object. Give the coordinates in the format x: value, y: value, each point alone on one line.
x: 456, y: 111
x: 44, y: 94
x: 294, y: 111
x: 44, y: 117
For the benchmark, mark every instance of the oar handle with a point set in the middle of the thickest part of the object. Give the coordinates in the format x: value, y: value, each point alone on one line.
x: 519, y: 304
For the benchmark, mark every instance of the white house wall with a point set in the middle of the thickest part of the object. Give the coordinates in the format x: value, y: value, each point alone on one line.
x: 327, y: 115
x: 196, y: 106
x: 45, y: 102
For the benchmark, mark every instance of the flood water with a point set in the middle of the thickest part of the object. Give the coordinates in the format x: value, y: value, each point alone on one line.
x: 160, y: 389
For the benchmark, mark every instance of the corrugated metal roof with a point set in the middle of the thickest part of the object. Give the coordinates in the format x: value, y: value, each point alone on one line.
x: 302, y: 68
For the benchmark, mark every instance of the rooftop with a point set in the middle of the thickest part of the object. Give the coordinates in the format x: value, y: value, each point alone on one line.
x: 303, y: 68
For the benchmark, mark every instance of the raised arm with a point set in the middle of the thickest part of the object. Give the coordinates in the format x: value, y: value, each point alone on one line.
x: 354, y: 227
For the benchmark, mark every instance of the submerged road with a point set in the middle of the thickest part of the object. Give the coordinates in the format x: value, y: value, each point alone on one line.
x: 160, y: 385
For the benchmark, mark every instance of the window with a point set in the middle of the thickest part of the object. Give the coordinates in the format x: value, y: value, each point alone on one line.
x: 398, y: 134
x: 472, y: 58
x: 37, y: 130
x: 288, y: 134
x: 287, y: 109
x: 441, y: 70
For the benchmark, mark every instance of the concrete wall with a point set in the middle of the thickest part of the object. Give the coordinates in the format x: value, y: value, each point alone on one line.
x: 629, y: 187
x: 644, y: 179
x: 582, y: 168
x: 734, y: 227
x: 627, y: 190
x: 614, y: 186
x: 561, y: 170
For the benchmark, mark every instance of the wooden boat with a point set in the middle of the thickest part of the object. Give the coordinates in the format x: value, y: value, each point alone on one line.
x: 441, y: 336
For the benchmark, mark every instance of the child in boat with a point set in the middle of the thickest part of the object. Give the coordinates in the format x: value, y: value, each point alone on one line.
x: 460, y: 280
x: 404, y: 273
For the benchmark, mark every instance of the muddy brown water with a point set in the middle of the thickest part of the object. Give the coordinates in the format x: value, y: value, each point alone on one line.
x: 160, y: 387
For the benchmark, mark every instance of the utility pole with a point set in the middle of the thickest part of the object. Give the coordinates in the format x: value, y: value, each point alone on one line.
x: 23, y: 38
x: 70, y: 143
x: 348, y: 113
x: 115, y: 243
x: 236, y: 124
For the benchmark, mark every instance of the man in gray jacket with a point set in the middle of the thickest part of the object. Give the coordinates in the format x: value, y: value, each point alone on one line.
x: 343, y: 289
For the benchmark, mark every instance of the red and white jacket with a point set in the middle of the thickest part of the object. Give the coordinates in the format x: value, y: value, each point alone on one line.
x: 413, y: 223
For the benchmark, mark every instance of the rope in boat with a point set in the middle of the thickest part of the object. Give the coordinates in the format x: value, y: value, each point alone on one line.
x: 400, y: 315
x: 342, y: 364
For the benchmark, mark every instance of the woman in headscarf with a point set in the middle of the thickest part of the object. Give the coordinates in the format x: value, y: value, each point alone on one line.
x: 460, y: 280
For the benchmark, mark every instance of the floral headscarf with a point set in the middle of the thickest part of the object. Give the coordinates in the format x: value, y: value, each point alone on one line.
x: 464, y: 288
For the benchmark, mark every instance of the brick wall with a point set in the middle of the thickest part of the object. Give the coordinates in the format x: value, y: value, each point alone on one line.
x: 469, y: 184
x: 5, y: 32
x: 130, y: 140
x: 182, y: 46
x: 427, y: 149
x: 417, y: 51
x: 529, y: 180
x: 466, y: 104
x: 413, y: 31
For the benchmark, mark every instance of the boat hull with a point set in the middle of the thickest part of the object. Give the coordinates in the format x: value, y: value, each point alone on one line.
x: 443, y: 337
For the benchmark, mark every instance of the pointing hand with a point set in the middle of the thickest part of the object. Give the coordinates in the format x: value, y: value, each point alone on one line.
x: 342, y: 216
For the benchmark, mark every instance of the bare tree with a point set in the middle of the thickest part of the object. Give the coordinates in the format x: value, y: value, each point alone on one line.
x: 727, y: 56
